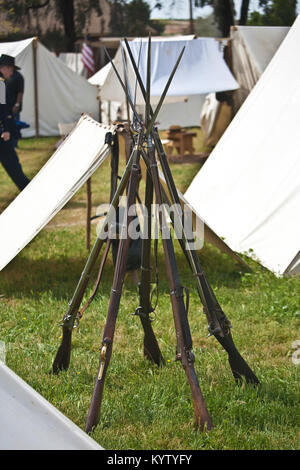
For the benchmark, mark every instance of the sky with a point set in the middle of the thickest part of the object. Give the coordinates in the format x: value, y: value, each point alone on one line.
x: 181, y: 10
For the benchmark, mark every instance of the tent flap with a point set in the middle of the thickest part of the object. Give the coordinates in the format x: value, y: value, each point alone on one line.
x: 248, y: 191
x: 202, y: 70
x: 29, y: 422
x: 252, y: 48
x: 75, y: 160
x: 62, y: 95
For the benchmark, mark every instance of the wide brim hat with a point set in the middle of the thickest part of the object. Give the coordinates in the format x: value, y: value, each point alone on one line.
x: 8, y: 60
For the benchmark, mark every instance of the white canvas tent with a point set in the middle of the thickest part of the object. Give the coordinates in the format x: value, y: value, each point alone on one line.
x: 109, y: 109
x: 249, y: 189
x: 75, y: 160
x: 29, y: 422
x: 53, y: 92
x: 252, y: 48
x: 202, y: 69
x: 215, y: 118
x: 183, y: 113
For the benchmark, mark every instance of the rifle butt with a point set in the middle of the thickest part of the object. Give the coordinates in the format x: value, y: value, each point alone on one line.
x: 239, y: 367
x: 151, y: 348
x: 94, y: 410
x: 203, y: 420
x: 63, y: 355
x: 95, y: 405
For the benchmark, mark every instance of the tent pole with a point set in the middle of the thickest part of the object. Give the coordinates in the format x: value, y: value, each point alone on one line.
x: 109, y: 112
x: 100, y: 104
x: 35, y: 84
x: 88, y: 213
x: 88, y: 210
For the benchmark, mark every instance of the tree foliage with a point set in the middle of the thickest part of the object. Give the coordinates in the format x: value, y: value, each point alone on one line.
x: 131, y: 18
x: 224, y: 13
x: 73, y: 14
x: 206, y: 27
x: 117, y: 17
x: 274, y: 13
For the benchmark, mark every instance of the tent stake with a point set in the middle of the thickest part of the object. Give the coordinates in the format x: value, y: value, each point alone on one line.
x: 35, y: 85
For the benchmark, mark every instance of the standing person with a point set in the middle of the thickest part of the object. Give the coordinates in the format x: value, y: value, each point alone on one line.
x: 15, y: 88
x: 8, y: 130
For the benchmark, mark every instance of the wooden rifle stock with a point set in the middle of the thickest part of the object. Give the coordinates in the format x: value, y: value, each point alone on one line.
x: 114, y: 303
x: 151, y: 348
x: 184, y: 340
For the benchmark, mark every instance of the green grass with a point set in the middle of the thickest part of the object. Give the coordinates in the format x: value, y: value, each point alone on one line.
x: 145, y: 407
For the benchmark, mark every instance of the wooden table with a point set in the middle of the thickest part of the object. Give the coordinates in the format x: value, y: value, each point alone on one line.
x: 179, y: 139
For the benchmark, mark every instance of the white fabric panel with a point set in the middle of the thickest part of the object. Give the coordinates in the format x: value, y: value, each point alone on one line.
x: 15, y: 48
x: 185, y: 37
x: 99, y: 77
x: 184, y: 114
x: 183, y: 104
x: 110, y: 111
x: 2, y: 92
x: 261, y: 42
x: 66, y: 171
x: 202, y: 70
x: 63, y: 95
x: 252, y: 49
x: 209, y: 113
x: 248, y: 191
x: 29, y: 422
x: 73, y: 61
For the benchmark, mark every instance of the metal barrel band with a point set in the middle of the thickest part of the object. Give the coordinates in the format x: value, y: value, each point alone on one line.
x: 202, y: 275
x: 146, y: 315
x: 190, y: 357
x: 178, y: 292
x: 117, y: 292
x: 66, y: 320
x: 103, y: 351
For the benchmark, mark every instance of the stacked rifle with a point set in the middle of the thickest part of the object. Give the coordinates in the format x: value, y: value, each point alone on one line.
x: 147, y: 146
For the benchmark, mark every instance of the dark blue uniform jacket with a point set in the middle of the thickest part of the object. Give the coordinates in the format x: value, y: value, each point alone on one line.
x: 7, y: 121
